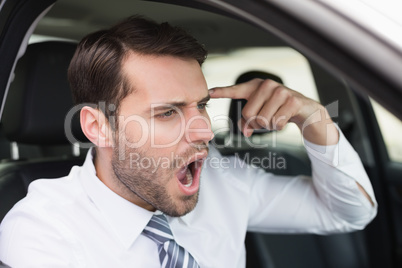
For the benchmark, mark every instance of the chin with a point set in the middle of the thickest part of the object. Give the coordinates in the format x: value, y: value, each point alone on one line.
x: 183, y: 206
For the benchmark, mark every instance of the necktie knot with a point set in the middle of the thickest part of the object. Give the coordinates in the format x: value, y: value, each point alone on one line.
x: 158, y: 229
x: 171, y: 254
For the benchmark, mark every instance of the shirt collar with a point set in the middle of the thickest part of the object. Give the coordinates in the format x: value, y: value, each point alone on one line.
x: 126, y: 219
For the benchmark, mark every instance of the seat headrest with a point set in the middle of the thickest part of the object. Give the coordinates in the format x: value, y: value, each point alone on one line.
x: 236, y: 106
x: 39, y: 98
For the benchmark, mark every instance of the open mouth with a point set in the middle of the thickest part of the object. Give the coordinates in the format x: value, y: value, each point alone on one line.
x: 189, y: 177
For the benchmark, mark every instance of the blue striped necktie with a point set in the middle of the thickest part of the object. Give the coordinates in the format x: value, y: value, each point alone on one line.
x: 171, y: 254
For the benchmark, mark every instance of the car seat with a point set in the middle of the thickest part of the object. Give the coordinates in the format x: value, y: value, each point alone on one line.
x: 34, y: 115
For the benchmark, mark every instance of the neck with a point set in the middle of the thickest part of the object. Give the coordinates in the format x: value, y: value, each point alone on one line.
x: 104, y: 171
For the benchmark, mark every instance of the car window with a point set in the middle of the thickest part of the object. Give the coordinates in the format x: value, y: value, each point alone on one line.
x: 222, y: 69
x: 391, y: 129
x: 36, y: 38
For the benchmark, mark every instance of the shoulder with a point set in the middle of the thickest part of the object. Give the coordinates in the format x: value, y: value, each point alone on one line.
x: 35, y: 221
x: 44, y: 199
x: 27, y: 231
x: 55, y: 188
x: 225, y: 171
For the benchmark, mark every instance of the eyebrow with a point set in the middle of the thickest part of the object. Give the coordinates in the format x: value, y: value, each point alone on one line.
x: 170, y: 105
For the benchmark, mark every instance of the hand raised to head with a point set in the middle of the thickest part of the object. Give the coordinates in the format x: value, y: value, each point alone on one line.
x: 269, y: 105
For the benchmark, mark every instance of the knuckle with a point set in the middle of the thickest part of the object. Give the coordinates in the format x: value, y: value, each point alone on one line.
x: 234, y: 91
x: 257, y: 80
x: 246, y: 114
x: 280, y: 92
x: 268, y: 83
x: 294, y: 101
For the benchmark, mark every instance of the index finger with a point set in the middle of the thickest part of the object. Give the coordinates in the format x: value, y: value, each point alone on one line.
x: 239, y: 91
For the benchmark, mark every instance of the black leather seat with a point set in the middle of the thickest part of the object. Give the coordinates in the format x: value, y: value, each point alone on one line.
x: 237, y: 105
x: 34, y: 115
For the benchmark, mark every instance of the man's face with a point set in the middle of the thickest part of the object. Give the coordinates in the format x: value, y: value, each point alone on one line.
x: 163, y: 133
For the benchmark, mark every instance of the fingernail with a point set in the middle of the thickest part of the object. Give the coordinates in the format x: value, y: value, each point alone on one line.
x: 249, y: 132
x: 211, y: 91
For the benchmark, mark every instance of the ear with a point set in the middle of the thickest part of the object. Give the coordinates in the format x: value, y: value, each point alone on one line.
x: 95, y: 127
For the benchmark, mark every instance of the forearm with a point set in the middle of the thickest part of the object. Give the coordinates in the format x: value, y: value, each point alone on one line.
x: 319, y: 129
x: 339, y: 176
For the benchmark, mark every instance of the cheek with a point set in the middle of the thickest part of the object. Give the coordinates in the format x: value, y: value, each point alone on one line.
x: 134, y: 130
x: 167, y: 134
x: 207, y: 118
x: 201, y: 121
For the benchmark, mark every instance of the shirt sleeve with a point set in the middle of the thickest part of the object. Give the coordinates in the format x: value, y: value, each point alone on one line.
x: 328, y: 202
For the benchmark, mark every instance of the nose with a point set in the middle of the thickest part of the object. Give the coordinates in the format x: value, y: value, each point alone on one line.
x: 198, y: 128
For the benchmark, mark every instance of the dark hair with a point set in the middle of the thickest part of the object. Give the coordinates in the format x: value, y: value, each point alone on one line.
x: 95, y: 71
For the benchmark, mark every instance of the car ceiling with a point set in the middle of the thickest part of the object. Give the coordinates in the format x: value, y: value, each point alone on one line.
x: 73, y: 19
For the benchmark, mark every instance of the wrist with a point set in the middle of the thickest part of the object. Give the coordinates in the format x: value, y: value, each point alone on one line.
x: 319, y: 128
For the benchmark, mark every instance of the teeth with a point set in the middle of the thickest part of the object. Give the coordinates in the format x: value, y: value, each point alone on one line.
x: 196, y: 163
x: 189, y: 177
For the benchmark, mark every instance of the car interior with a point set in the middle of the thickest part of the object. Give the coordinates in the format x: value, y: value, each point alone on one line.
x: 37, y: 112
x: 34, y: 127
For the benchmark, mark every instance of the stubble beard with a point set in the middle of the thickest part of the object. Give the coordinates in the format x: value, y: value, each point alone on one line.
x: 149, y: 184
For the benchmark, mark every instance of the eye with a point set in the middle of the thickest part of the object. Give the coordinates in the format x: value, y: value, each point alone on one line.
x: 167, y: 114
x: 202, y: 106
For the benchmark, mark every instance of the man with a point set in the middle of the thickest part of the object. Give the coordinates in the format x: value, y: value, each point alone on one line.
x: 142, y: 182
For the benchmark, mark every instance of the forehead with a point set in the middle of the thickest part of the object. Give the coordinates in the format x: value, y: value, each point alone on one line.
x: 161, y: 79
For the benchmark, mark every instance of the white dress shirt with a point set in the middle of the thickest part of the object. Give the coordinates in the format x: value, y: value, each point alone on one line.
x: 76, y: 221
